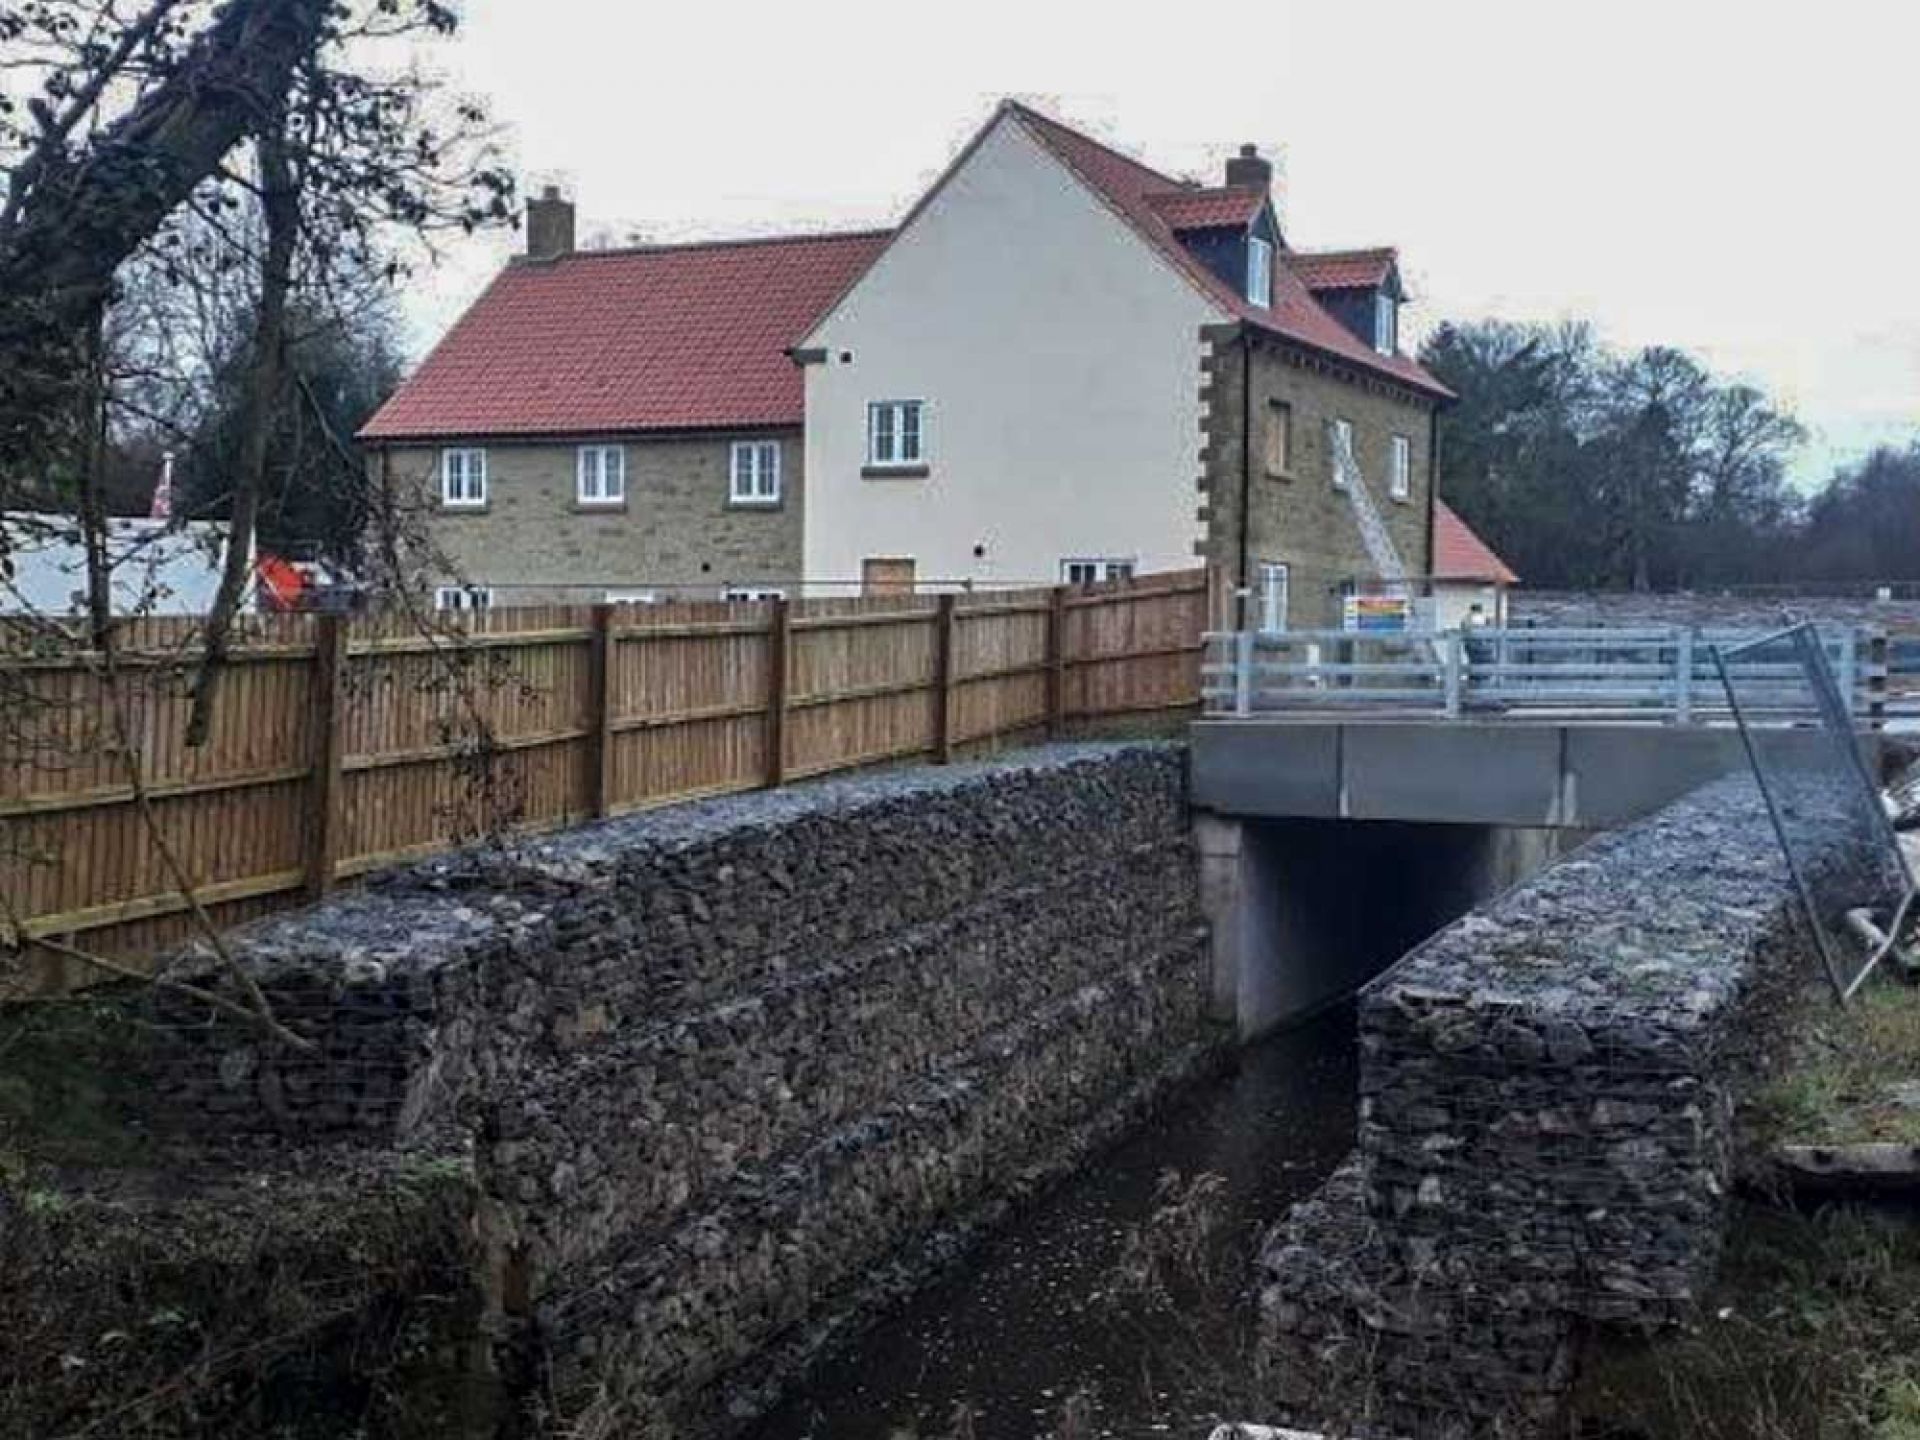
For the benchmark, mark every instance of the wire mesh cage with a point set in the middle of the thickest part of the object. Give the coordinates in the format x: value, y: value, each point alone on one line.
x: 1824, y: 805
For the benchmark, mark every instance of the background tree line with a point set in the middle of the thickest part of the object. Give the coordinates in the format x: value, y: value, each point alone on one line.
x: 1588, y: 467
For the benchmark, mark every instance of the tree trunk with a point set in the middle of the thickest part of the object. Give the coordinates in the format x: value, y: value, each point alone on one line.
x: 72, y: 228
x: 280, y: 200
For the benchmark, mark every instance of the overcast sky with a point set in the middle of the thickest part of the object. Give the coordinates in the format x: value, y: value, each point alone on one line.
x: 1711, y: 175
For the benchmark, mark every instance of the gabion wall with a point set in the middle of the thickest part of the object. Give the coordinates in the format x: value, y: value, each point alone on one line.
x: 1547, y: 1099
x: 718, y: 1063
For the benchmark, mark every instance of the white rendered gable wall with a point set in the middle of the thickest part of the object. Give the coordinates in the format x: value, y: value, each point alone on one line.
x: 1058, y: 356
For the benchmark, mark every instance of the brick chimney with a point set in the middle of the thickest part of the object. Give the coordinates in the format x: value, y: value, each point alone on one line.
x: 549, y: 225
x: 1250, y: 170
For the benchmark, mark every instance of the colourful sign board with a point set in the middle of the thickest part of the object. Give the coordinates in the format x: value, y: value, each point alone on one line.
x: 1378, y: 613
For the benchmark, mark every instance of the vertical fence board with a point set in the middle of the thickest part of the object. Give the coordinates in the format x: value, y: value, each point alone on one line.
x: 325, y: 696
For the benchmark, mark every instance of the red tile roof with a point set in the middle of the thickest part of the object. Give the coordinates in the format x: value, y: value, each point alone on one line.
x: 1195, y: 208
x: 1459, y: 554
x: 672, y: 337
x: 1127, y: 186
x: 1342, y: 269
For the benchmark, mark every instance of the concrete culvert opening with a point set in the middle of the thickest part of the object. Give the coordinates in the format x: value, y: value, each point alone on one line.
x: 1305, y: 912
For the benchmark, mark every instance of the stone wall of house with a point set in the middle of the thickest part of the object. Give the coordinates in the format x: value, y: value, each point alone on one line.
x: 1297, y: 517
x: 1548, y: 1090
x: 721, y: 1064
x: 677, y: 534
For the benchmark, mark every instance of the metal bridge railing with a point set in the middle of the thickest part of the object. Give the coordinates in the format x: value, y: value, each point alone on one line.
x: 1665, y: 674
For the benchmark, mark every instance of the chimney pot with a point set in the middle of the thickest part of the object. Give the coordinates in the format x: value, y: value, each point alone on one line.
x: 550, y: 225
x: 1250, y: 170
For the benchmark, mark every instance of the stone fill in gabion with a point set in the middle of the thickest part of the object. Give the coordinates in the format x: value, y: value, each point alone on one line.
x: 719, y: 1063
x: 1547, y: 1098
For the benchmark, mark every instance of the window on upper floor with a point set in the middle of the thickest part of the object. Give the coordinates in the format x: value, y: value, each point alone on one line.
x: 1386, y: 323
x: 463, y: 479
x: 1260, y: 271
x: 896, y: 433
x: 600, y: 475
x: 755, y: 472
x: 1279, y: 438
x: 752, y: 594
x: 1400, y: 468
x: 1341, y: 455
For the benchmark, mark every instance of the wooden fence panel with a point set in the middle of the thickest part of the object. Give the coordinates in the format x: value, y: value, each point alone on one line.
x: 861, y: 688
x: 1134, y: 647
x: 451, y: 733
x: 689, y: 695
x: 1000, y: 665
x: 443, y: 733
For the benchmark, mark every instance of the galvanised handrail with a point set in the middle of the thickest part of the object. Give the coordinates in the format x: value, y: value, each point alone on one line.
x: 1664, y: 673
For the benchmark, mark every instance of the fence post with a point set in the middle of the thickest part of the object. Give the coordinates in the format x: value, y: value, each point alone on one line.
x: 1451, y: 677
x: 1683, y: 675
x: 779, y: 636
x: 324, y: 698
x: 943, y: 680
x: 1876, y: 678
x: 600, y: 688
x: 1243, y: 672
x: 1057, y: 662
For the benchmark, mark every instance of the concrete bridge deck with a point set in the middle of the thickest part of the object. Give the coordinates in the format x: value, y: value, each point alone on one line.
x: 1576, y: 773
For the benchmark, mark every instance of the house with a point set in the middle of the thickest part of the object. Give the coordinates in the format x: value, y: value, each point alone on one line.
x: 617, y: 424
x: 1063, y: 365
x: 1066, y: 365
x: 1466, y: 573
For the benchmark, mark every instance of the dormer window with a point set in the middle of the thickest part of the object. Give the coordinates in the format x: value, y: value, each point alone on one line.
x: 1260, y: 272
x: 1386, y: 323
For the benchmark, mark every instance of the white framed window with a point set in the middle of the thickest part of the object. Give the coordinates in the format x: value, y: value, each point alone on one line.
x: 600, y: 475
x: 1386, y: 323
x: 752, y: 593
x: 1400, y: 468
x: 1094, y: 571
x: 1272, y: 578
x: 1342, y: 455
x: 463, y: 479
x: 896, y: 432
x: 755, y: 473
x: 632, y: 597
x: 1260, y: 271
x: 463, y: 597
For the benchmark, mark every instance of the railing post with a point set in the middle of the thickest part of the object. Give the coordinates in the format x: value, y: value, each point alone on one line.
x: 328, y: 741
x: 1452, y: 675
x: 1057, y: 662
x: 600, y: 688
x: 1683, y: 675
x: 1876, y: 678
x: 1243, y: 672
x: 1849, y: 671
x: 943, y: 680
x: 779, y: 636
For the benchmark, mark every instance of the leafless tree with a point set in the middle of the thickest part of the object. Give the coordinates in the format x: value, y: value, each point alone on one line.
x: 241, y: 158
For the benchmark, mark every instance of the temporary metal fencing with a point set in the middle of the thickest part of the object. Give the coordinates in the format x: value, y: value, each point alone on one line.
x: 1798, y: 726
